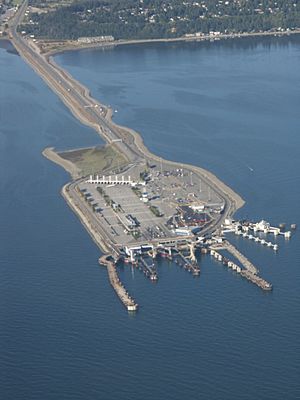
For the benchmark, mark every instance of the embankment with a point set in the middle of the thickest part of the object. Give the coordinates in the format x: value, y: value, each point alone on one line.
x: 97, y: 238
x: 51, y: 155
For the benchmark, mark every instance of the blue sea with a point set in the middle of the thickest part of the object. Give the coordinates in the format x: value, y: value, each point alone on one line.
x: 231, y: 107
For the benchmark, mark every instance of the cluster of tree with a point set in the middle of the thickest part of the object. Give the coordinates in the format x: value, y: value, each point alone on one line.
x: 4, y: 5
x: 132, y: 19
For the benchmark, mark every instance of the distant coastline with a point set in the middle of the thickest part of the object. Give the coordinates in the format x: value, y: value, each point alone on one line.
x: 67, y: 45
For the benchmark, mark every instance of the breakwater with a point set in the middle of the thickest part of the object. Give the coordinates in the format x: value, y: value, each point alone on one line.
x: 239, y: 256
x: 248, y: 270
x: 115, y: 282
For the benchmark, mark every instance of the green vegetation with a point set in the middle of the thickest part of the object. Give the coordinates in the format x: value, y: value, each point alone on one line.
x: 95, y: 160
x: 109, y: 202
x: 132, y: 19
x: 136, y: 234
x: 106, y: 198
x: 49, y: 4
x: 144, y: 175
x: 100, y: 190
x: 17, y: 2
x: 155, y: 211
x: 5, y: 5
x: 137, y: 191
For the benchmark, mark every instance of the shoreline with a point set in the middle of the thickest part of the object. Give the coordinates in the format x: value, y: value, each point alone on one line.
x: 97, y: 238
x: 121, y: 42
x: 68, y: 166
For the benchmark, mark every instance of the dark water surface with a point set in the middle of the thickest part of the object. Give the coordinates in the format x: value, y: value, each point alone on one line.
x: 231, y: 107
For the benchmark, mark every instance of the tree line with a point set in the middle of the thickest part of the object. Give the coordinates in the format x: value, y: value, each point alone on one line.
x: 131, y: 19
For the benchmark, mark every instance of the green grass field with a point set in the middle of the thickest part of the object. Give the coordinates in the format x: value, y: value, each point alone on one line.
x: 17, y: 2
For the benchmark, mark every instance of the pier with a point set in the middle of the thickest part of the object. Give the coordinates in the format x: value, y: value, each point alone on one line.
x: 123, y: 295
x: 246, y: 272
x: 257, y: 239
x: 243, y: 228
x: 148, y: 269
x: 240, y: 257
x: 190, y: 266
x: 165, y: 253
x: 257, y: 280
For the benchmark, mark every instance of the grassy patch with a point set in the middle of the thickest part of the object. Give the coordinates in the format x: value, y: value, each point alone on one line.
x: 155, y: 211
x: 95, y: 160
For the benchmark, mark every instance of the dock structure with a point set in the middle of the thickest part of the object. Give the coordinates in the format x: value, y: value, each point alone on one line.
x: 225, y: 261
x: 257, y: 239
x: 249, y: 271
x: 123, y: 295
x: 265, y: 227
x: 165, y: 252
x: 190, y: 266
x: 239, y: 256
x: 244, y: 227
x: 257, y: 280
x: 149, y: 270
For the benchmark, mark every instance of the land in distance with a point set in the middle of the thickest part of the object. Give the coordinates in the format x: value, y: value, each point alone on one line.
x: 50, y: 19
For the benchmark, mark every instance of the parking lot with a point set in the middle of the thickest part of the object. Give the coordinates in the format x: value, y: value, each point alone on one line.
x: 150, y: 207
x: 125, y: 203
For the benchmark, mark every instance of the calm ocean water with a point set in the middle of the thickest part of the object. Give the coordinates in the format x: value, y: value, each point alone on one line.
x: 231, y: 107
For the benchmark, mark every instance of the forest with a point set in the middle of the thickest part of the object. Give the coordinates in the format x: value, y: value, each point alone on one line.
x: 131, y: 19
